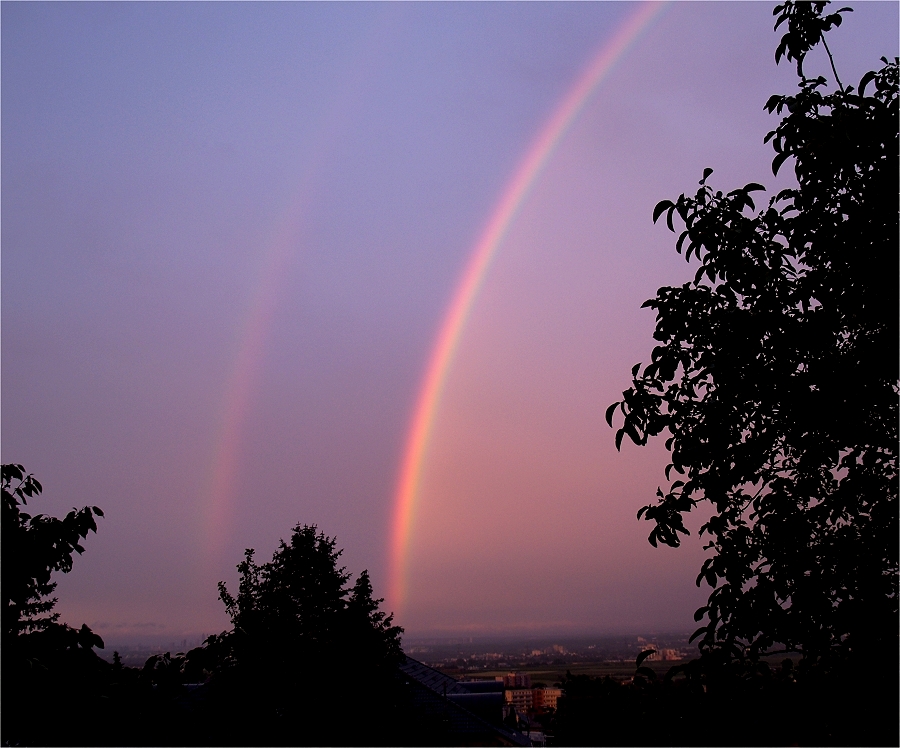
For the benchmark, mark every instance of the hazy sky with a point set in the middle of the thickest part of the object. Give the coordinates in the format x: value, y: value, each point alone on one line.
x: 230, y: 233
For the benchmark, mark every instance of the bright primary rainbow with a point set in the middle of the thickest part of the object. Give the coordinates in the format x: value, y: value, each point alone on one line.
x: 422, y: 424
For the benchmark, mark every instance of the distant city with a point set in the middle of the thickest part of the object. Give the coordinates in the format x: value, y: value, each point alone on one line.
x: 471, y: 655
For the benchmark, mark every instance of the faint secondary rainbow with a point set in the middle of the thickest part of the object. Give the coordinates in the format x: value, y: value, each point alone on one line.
x: 219, y: 495
x: 218, y: 498
x: 422, y: 423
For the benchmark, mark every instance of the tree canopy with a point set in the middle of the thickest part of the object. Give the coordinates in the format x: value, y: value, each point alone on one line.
x: 48, y: 667
x: 300, y: 632
x: 300, y: 603
x: 775, y: 374
x: 33, y: 548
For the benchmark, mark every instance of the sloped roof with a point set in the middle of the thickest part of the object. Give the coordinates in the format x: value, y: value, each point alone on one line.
x: 431, y: 695
x: 433, y: 679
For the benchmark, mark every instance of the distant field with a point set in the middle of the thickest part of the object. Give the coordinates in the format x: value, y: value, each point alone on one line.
x: 551, y: 674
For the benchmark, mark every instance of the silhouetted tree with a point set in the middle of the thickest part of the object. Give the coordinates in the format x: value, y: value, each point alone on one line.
x: 48, y: 667
x: 304, y: 647
x: 370, y: 634
x: 299, y: 601
x: 776, y: 376
x: 33, y: 548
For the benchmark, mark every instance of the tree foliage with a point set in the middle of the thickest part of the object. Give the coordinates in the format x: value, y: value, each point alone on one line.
x: 299, y: 602
x: 47, y: 667
x: 301, y: 635
x: 776, y: 374
x: 33, y: 548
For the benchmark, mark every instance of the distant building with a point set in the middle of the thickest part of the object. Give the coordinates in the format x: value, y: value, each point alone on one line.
x: 522, y: 699
x: 481, y: 685
x: 516, y: 680
x: 663, y: 654
x: 545, y: 698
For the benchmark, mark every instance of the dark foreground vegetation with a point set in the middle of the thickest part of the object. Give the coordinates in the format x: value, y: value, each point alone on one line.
x: 734, y: 703
x: 309, y: 660
x: 776, y: 377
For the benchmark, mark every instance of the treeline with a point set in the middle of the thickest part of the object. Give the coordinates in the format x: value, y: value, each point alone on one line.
x: 310, y: 659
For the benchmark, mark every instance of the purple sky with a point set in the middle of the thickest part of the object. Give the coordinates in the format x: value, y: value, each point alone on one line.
x: 171, y: 170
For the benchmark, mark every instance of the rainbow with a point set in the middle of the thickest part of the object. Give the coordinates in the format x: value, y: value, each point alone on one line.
x: 218, y: 497
x: 454, y: 321
x: 218, y: 494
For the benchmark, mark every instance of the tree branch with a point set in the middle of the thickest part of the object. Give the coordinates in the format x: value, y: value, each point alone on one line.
x: 831, y: 60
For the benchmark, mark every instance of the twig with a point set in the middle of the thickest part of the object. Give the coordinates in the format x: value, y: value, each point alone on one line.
x: 831, y: 60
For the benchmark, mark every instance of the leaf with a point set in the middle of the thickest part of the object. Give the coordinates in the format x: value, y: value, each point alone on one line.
x: 660, y: 207
x: 865, y: 81
x: 778, y: 161
x: 631, y: 430
x: 619, y: 434
x: 706, y: 173
x: 610, y: 411
x: 643, y: 656
x: 779, y: 51
x: 701, y: 630
x: 646, y: 672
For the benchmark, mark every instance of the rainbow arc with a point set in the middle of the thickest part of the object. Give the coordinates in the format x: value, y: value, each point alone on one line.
x: 407, y: 494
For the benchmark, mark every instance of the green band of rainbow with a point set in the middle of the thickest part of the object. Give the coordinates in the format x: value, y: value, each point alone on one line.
x: 422, y: 424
